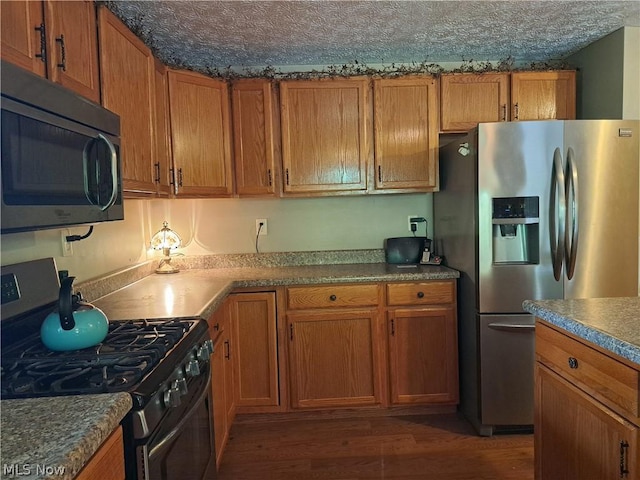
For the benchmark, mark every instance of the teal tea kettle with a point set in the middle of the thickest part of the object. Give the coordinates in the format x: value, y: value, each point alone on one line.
x: 75, y: 324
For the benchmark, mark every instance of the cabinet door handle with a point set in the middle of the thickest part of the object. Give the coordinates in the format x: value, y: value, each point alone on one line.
x: 515, y: 111
x: 286, y: 173
x: 333, y: 298
x: 157, y: 167
x: 573, y: 362
x: 269, y: 177
x: 504, y: 112
x: 291, y: 331
x: 216, y: 327
x: 420, y: 295
x: 43, y: 43
x: 624, y: 458
x: 63, y: 54
x: 380, y: 173
x: 179, y: 177
x: 227, y: 345
x: 393, y: 327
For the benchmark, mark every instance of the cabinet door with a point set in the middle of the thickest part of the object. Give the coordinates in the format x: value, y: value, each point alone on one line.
x: 423, y: 355
x: 253, y: 316
x: 73, y: 46
x: 200, y: 134
x: 543, y: 95
x: 332, y: 358
x: 406, y: 133
x: 219, y: 402
x: 221, y: 379
x: 108, y: 462
x: 578, y: 438
x: 21, y: 43
x: 162, y: 161
x: 325, y: 137
x: 127, y: 89
x: 253, y: 137
x: 468, y: 99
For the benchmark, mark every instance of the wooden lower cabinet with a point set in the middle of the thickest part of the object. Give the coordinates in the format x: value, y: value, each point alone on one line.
x: 254, y: 326
x: 423, y: 365
x: 423, y: 342
x: 333, y: 358
x: 583, y: 429
x: 221, y: 379
x: 577, y: 437
x: 108, y: 462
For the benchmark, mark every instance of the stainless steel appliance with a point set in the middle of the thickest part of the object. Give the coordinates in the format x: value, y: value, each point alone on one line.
x: 531, y: 210
x: 163, y: 364
x: 60, y: 156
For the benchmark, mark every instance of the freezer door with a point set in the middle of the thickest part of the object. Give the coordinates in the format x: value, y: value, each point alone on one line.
x: 601, y: 170
x: 514, y: 257
x: 507, y: 355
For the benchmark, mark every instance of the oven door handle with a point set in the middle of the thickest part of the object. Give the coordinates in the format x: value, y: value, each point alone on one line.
x: 167, y: 439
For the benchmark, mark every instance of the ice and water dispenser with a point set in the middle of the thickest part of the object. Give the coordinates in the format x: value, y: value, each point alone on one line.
x: 516, y: 230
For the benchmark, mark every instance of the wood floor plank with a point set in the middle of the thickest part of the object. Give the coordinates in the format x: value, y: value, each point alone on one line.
x: 405, y: 447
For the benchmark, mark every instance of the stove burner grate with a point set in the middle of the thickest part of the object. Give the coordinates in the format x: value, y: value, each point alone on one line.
x: 130, y: 351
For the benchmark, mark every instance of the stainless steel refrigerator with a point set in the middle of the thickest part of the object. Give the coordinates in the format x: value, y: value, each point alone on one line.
x: 531, y: 210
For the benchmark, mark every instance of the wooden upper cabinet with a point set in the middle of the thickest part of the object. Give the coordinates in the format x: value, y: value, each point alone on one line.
x: 406, y: 133
x: 200, y: 134
x: 325, y: 135
x: 543, y: 95
x: 54, y: 39
x: 253, y: 137
x: 468, y: 99
x: 128, y: 90
x: 73, y: 46
x: 20, y: 41
x: 162, y: 161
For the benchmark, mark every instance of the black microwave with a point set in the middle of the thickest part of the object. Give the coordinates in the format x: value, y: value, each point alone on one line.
x: 60, y: 156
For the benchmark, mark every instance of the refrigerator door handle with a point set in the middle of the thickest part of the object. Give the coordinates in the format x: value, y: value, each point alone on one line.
x: 557, y: 214
x: 514, y: 327
x: 572, y: 229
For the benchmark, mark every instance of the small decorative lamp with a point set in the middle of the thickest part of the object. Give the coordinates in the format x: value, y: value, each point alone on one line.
x: 165, y: 240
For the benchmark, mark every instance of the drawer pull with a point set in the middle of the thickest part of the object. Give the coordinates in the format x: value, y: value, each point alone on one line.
x: 333, y: 298
x: 573, y: 362
x: 216, y: 327
x: 420, y: 294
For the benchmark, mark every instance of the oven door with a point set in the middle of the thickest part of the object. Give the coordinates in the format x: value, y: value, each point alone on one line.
x: 183, y: 444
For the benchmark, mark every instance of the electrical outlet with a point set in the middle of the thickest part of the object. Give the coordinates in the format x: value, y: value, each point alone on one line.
x: 409, y: 222
x: 263, y: 230
x: 67, y: 247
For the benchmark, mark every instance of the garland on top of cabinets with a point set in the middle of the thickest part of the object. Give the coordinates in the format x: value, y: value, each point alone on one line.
x: 173, y: 59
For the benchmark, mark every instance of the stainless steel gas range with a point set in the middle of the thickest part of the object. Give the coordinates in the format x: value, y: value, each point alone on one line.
x: 163, y: 364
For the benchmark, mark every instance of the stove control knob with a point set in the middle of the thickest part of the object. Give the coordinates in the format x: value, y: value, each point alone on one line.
x: 209, y: 345
x: 181, y: 384
x: 192, y: 368
x: 172, y: 396
x: 203, y: 353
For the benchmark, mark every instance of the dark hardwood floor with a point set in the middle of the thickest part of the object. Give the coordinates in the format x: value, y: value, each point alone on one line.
x: 408, y: 447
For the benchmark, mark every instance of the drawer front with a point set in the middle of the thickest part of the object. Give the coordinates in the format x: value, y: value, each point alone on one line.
x: 614, y: 382
x: 328, y: 296
x: 422, y: 293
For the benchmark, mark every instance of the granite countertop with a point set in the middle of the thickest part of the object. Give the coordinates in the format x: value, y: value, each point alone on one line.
x: 611, y: 323
x: 54, y: 437
x: 198, y: 292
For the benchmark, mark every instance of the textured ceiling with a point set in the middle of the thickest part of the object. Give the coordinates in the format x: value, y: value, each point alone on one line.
x: 216, y: 34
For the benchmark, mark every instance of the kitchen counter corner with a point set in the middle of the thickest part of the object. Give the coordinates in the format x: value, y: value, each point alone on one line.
x: 54, y: 437
x: 610, y: 323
